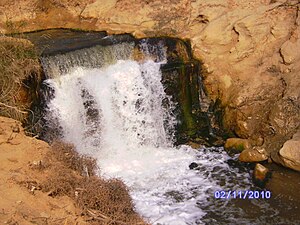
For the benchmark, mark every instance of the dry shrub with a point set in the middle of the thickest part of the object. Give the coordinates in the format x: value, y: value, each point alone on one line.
x: 102, y: 201
x: 108, y: 199
x: 61, y: 181
x: 18, y: 65
x: 66, y: 153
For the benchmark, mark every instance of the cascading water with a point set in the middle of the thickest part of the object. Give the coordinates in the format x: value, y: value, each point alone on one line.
x: 114, y: 111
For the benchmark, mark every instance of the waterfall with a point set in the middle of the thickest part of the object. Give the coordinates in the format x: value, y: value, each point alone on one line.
x: 94, y: 57
x: 116, y: 110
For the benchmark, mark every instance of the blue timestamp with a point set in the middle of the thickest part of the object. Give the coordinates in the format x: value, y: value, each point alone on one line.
x: 242, y: 194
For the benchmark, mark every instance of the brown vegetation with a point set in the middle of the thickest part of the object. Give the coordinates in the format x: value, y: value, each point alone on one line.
x: 54, y: 185
x: 101, y: 201
x: 85, y: 165
x: 20, y: 73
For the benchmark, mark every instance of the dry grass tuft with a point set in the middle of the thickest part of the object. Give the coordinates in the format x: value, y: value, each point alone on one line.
x: 107, y: 201
x: 18, y: 66
x: 66, y: 153
x: 61, y: 181
x: 101, y: 201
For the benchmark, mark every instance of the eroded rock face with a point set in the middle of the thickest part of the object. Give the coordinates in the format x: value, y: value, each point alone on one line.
x: 249, y: 49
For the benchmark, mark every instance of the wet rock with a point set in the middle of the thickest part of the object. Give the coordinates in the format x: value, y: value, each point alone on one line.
x: 253, y: 155
x: 240, y: 166
x: 290, y: 153
x: 180, y: 75
x: 260, y: 175
x: 194, y: 145
x: 193, y: 166
x: 236, y: 145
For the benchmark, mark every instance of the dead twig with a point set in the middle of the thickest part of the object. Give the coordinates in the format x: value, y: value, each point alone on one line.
x: 12, y: 107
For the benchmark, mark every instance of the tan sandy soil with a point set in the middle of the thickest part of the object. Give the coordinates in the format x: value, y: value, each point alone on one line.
x: 20, y: 200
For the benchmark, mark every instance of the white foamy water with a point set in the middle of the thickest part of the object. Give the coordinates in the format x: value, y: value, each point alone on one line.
x: 116, y: 115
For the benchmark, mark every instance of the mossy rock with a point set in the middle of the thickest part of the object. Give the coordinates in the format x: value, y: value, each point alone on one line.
x: 237, y: 145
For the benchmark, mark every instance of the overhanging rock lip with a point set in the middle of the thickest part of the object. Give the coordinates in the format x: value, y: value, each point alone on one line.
x: 58, y: 41
x: 51, y: 42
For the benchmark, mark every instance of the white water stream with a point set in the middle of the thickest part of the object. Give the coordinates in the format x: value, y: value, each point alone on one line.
x: 115, y: 114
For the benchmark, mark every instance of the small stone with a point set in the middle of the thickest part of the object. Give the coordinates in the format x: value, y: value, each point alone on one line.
x: 242, y: 129
x: 32, y: 189
x: 15, y: 128
x: 45, y: 215
x: 288, y: 52
x: 260, y: 172
x: 260, y: 175
x: 37, y: 164
x: 193, y: 165
x: 253, y: 155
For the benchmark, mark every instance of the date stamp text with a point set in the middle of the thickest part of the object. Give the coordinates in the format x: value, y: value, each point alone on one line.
x: 246, y: 194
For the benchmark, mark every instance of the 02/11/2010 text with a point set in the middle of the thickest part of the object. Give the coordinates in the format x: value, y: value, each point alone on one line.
x: 242, y: 194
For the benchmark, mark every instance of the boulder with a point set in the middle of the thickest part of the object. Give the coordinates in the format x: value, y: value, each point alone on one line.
x: 254, y: 154
x: 237, y: 145
x: 290, y: 153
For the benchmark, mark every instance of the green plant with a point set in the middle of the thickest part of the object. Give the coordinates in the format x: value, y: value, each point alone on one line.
x: 240, y: 147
